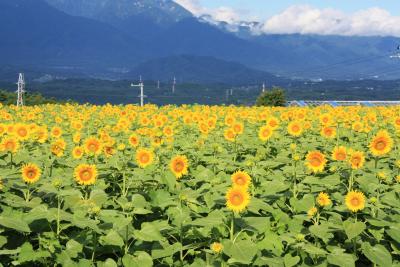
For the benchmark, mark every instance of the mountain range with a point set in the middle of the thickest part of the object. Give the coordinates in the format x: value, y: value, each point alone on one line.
x: 159, y: 38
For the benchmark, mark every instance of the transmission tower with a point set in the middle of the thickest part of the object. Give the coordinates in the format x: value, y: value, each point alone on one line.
x: 141, y: 85
x: 173, y: 86
x: 21, y: 90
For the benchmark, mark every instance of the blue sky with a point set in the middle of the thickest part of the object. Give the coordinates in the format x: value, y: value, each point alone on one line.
x: 267, y: 8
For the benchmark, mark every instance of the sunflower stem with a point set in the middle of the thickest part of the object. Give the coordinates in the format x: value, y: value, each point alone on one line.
x: 351, y: 180
x: 232, y: 232
x: 28, y: 193
x: 58, y: 214
x: 11, y: 160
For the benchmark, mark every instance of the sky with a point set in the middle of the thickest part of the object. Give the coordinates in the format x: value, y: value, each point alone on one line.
x: 343, y: 17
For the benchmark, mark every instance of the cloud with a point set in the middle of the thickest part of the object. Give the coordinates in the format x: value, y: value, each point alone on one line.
x: 305, y: 19
x: 222, y: 13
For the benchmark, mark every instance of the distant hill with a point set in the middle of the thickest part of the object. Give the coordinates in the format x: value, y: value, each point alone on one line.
x: 196, y: 69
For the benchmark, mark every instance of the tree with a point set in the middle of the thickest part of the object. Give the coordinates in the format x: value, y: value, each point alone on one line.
x: 275, y: 98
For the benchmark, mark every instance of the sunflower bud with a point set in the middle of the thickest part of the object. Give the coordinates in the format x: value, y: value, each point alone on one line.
x: 300, y: 237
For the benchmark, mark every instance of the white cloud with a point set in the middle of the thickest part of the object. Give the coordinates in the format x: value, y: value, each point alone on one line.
x: 306, y: 19
x: 222, y: 13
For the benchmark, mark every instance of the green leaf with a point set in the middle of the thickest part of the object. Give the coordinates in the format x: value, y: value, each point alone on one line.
x: 166, y: 250
x: 377, y: 254
x: 215, y: 218
x: 108, y: 263
x: 13, y: 223
x: 242, y: 251
x: 27, y: 254
x: 170, y: 180
x: 73, y: 248
x: 353, y: 229
x: 99, y: 197
x: 3, y: 241
x: 394, y: 232
x: 112, y: 239
x: 313, y: 250
x: 140, y: 259
x: 290, y: 260
x: 321, y: 231
x: 149, y: 233
x: 341, y: 259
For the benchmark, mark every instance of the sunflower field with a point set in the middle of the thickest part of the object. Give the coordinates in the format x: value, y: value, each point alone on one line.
x: 85, y: 185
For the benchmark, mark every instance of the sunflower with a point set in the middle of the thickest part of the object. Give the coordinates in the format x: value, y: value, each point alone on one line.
x: 93, y: 146
x: 144, y: 157
x: 312, y: 211
x: 76, y: 138
x: 179, y: 166
x: 294, y: 128
x: 355, y: 201
x: 134, y: 140
x: 323, y: 199
x: 381, y: 144
x: 85, y: 174
x: 328, y: 132
x: 109, y: 150
x: 58, y: 147
x: 237, y: 199
x: 357, y: 160
x: 265, y: 133
x: 241, y: 178
x: 230, y: 135
x: 168, y: 131
x: 30, y: 173
x: 339, y: 153
x: 273, y: 123
x: 42, y: 134
x: 315, y: 161
x: 56, y: 132
x: 77, y: 152
x: 229, y: 120
x: 238, y: 128
x: 10, y: 144
x: 21, y: 132
x: 216, y: 247
x: 3, y: 129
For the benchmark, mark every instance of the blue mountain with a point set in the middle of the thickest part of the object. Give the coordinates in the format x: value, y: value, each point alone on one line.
x: 98, y: 36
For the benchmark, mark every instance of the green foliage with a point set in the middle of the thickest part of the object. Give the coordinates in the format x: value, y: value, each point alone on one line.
x: 273, y: 98
x: 31, y: 99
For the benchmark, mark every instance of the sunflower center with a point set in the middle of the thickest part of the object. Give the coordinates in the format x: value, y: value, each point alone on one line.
x: 356, y: 161
x: 92, y: 147
x: 22, y: 132
x: 341, y: 156
x: 355, y: 201
x: 295, y: 128
x: 144, y: 158
x: 380, y: 145
x: 9, y: 146
x: 31, y: 174
x: 315, y: 161
x: 237, y: 199
x: 179, y: 166
x: 240, y: 181
x: 86, y: 175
